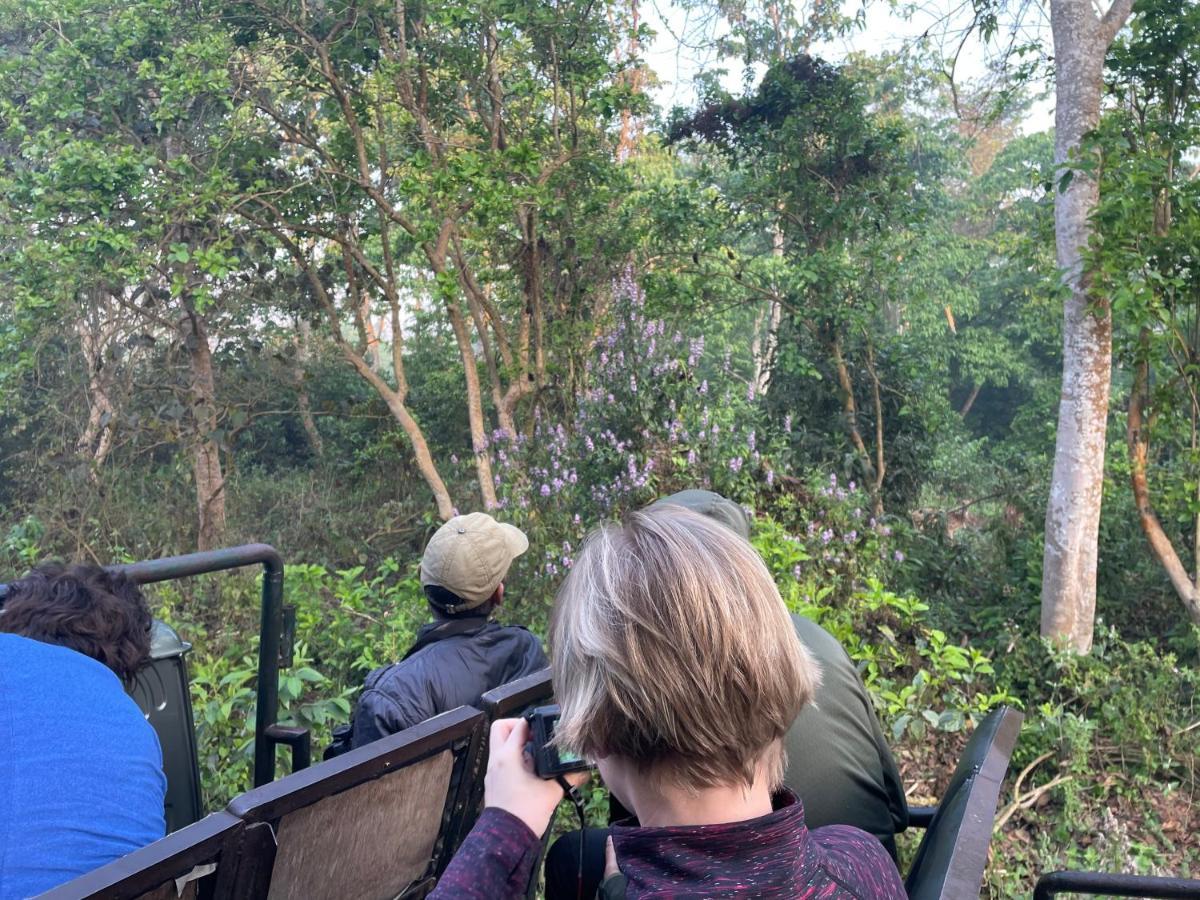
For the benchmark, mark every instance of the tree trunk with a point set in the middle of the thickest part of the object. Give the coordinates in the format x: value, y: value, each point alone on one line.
x: 395, y: 398
x: 850, y: 419
x: 1073, y: 511
x: 479, y: 441
x: 971, y: 398
x: 370, y: 331
x: 96, y: 439
x: 503, y: 414
x: 764, y: 347
x: 533, y: 297
x: 880, y: 458
x: 478, y: 302
x: 630, y: 132
x: 1137, y: 435
x: 206, y: 453
x: 756, y: 342
x: 424, y: 459
x: 299, y: 373
x: 1139, y: 445
x: 360, y: 300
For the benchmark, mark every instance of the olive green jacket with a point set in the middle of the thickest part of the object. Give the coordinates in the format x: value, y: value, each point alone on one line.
x: 839, y: 764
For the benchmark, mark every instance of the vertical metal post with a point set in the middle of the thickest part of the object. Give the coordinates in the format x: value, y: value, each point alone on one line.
x: 267, y: 707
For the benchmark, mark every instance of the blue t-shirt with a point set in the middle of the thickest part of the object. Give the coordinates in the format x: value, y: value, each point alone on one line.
x: 81, y: 779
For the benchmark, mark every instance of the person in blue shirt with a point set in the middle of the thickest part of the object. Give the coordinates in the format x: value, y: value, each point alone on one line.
x: 81, y: 779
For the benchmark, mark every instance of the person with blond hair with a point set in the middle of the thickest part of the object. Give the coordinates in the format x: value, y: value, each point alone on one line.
x: 678, y: 673
x: 842, y: 767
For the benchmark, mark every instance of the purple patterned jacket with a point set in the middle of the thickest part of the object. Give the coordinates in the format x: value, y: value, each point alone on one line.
x: 773, y: 856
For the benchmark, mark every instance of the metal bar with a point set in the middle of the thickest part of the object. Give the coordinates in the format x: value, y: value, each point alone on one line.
x: 1105, y: 884
x: 298, y: 739
x: 921, y: 816
x: 171, y: 567
x: 271, y: 625
x: 267, y: 707
x: 287, y: 638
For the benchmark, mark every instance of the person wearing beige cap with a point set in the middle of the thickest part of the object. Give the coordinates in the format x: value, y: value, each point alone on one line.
x: 462, y: 654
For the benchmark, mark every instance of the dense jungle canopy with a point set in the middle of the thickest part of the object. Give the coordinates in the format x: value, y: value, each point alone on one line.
x: 321, y: 272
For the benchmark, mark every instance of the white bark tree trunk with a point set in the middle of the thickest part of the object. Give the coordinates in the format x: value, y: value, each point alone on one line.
x: 479, y: 439
x: 300, y: 373
x: 396, y: 398
x: 1081, y: 40
x: 96, y: 439
x: 206, y: 453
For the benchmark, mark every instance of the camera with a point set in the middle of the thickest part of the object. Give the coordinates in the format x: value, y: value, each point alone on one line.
x: 548, y: 761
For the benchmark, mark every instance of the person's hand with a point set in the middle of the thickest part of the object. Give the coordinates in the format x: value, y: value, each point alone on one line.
x: 510, y: 783
x: 610, y: 859
x: 615, y: 885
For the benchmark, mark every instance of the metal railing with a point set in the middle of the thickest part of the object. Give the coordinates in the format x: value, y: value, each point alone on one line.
x: 1105, y: 884
x: 276, y: 637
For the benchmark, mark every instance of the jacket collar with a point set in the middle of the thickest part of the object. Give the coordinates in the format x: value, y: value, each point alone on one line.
x: 466, y: 626
x: 776, y: 846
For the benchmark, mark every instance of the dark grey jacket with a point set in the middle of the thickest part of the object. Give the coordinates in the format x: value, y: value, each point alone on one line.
x: 459, y: 662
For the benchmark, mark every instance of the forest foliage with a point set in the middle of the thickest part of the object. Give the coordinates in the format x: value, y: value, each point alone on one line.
x: 321, y: 273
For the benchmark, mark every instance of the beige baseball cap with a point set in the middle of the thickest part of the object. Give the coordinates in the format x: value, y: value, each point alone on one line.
x: 470, y: 555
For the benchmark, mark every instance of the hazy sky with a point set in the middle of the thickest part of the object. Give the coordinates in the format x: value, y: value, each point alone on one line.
x: 885, y: 30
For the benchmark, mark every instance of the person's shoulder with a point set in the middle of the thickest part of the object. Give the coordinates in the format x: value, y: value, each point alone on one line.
x: 37, y: 659
x: 520, y: 632
x: 14, y: 647
x: 377, y: 676
x: 816, y: 638
x: 531, y: 644
x: 83, y: 689
x: 857, y: 861
x: 400, y: 681
x: 503, y: 632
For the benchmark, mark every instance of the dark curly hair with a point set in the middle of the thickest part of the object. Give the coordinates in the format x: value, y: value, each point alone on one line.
x: 94, y: 612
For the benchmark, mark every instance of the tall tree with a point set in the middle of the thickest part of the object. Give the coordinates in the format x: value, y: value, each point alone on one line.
x: 809, y: 154
x: 1149, y: 217
x: 117, y: 113
x: 424, y: 149
x: 1081, y: 42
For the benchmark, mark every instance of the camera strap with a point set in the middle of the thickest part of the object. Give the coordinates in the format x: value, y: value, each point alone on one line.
x: 571, y: 792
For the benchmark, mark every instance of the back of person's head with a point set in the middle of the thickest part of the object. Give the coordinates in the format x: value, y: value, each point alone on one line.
x: 466, y: 561
x: 85, y: 608
x: 714, y: 506
x: 673, y: 649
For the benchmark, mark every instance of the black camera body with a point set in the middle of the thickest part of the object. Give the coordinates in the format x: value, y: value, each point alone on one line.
x: 548, y: 762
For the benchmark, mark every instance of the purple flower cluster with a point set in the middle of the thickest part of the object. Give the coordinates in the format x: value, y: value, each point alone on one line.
x: 653, y: 412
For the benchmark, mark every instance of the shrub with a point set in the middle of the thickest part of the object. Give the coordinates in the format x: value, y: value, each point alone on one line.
x: 347, y: 623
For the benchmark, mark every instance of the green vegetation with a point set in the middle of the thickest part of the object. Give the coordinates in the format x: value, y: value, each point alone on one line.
x: 317, y: 274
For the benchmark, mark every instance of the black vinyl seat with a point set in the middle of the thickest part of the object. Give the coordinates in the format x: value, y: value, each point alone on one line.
x: 161, y: 692
x: 952, y: 856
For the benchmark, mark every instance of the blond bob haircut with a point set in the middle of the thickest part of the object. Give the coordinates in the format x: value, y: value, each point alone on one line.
x: 672, y: 648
